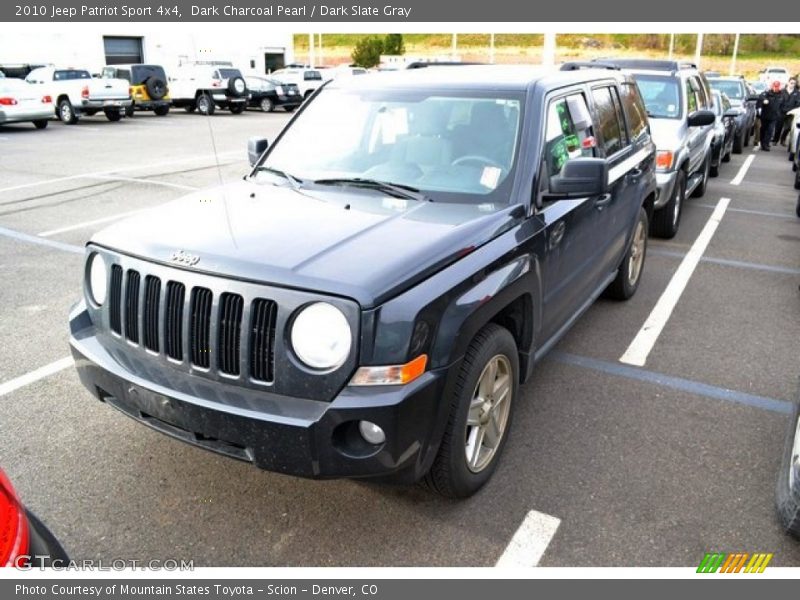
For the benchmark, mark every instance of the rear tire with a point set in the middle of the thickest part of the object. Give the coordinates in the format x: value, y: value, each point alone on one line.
x: 738, y: 143
x: 190, y: 108
x: 161, y: 110
x: 786, y: 500
x: 667, y: 219
x: 714, y: 170
x: 66, y: 113
x: 205, y: 105
x: 113, y: 114
x: 481, y: 408
x: 797, y: 207
x: 630, y: 269
x: 129, y: 111
x: 237, y: 109
x: 40, y: 123
x: 797, y: 179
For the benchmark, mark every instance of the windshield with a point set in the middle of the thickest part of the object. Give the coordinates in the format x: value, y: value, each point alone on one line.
x: 454, y: 147
x: 661, y: 96
x: 732, y: 89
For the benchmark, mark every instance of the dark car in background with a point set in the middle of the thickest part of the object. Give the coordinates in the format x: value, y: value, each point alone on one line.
x: 148, y: 83
x: 269, y: 94
x: 724, y: 131
x: 24, y: 540
x: 743, y: 103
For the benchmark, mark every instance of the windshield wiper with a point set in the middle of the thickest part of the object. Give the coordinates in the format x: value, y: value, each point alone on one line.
x: 398, y: 190
x: 293, y: 181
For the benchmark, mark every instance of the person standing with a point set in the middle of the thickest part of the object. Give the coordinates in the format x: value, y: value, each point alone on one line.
x: 769, y: 104
x: 791, y: 100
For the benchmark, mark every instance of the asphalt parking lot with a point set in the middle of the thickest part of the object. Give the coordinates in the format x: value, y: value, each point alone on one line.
x: 644, y: 466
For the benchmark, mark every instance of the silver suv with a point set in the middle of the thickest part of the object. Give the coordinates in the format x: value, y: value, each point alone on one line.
x: 679, y: 103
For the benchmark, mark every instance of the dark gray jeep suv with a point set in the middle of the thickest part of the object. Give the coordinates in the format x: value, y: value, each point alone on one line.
x: 370, y: 308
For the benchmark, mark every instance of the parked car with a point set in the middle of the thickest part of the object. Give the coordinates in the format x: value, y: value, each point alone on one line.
x: 76, y: 93
x: 205, y: 87
x: 724, y: 131
x: 773, y: 73
x: 794, y: 136
x: 18, y: 70
x: 743, y: 102
x: 148, y: 87
x: 306, y: 80
x: 267, y: 94
x: 22, y: 102
x: 678, y: 102
x: 24, y: 540
x: 757, y: 87
x: 787, y: 493
x: 357, y: 352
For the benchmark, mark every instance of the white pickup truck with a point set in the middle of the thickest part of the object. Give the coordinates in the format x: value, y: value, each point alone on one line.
x: 76, y: 93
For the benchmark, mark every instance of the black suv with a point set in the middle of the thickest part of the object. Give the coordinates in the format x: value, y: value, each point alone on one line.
x: 371, y: 307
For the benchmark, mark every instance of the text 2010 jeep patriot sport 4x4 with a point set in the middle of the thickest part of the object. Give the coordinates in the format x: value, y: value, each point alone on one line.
x: 371, y: 308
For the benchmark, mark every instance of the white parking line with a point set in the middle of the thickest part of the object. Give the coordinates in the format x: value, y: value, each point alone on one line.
x: 643, y: 343
x: 146, y: 181
x: 743, y: 170
x: 530, y: 541
x: 40, y: 373
x: 86, y: 224
x: 123, y: 170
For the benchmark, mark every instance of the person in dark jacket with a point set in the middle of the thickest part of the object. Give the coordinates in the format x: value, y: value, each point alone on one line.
x: 791, y: 100
x: 770, y: 113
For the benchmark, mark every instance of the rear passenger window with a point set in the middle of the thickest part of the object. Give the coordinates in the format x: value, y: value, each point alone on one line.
x: 610, y: 120
x: 634, y: 109
x: 568, y: 133
x: 691, y: 97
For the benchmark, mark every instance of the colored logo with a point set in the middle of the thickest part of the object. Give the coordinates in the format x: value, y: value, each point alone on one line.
x: 737, y: 562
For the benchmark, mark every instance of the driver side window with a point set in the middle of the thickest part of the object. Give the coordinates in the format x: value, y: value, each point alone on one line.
x: 564, y: 139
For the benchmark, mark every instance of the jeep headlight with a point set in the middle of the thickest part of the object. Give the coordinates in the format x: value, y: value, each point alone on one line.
x: 321, y: 336
x: 97, y: 278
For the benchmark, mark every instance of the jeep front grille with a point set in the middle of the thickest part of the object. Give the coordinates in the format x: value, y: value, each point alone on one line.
x: 160, y: 313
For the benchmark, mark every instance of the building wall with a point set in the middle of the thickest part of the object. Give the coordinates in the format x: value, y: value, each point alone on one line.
x: 81, y: 45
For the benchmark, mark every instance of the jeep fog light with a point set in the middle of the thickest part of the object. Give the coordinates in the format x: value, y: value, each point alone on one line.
x: 97, y: 279
x: 371, y: 432
x: 321, y: 336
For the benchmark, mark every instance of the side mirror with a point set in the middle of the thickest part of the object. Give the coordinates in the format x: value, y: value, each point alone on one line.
x: 256, y: 146
x: 700, y: 118
x: 584, y: 176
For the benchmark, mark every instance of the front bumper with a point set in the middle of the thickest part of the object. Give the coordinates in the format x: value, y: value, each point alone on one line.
x: 297, y: 436
x: 92, y: 103
x: 665, y: 182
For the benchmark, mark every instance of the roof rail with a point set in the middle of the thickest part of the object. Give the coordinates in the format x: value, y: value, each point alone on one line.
x: 584, y: 64
x: 647, y: 64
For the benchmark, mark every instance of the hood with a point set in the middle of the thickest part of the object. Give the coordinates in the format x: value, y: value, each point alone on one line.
x: 343, y: 241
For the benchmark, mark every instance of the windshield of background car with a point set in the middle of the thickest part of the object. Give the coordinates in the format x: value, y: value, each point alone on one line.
x: 228, y: 73
x: 456, y: 147
x: 141, y: 73
x: 732, y: 89
x: 661, y: 96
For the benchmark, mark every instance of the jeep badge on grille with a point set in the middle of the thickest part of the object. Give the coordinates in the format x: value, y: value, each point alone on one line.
x: 184, y: 258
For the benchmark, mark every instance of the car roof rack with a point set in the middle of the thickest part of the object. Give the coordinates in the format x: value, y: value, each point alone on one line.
x: 648, y: 64
x: 576, y: 65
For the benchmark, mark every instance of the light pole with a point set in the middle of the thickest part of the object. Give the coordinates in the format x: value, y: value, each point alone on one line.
x: 735, y: 52
x: 699, y: 50
x: 549, y: 50
x: 491, y: 48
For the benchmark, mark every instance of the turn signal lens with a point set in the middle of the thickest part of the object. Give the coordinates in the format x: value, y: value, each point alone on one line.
x: 391, y: 375
x: 664, y: 160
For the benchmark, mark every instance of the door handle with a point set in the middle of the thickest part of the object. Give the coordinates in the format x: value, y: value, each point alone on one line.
x: 602, y: 201
x: 557, y: 234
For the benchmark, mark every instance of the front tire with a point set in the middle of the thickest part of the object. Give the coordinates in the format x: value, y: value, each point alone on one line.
x: 481, y: 407
x: 161, y: 111
x: 630, y: 269
x: 40, y: 123
x: 787, y: 501
x: 668, y: 218
x: 700, y: 190
x: 267, y: 105
x: 205, y: 105
x: 129, y: 110
x: 739, y: 143
x: 113, y: 115
x: 237, y: 109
